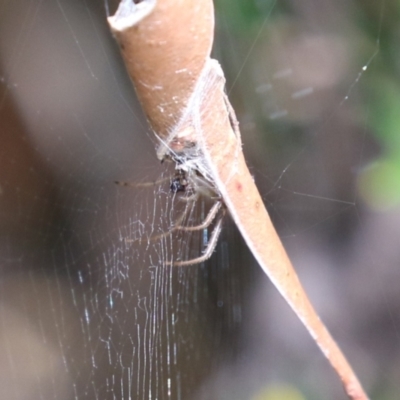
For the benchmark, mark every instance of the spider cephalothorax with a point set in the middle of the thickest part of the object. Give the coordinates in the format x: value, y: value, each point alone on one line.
x: 179, y: 182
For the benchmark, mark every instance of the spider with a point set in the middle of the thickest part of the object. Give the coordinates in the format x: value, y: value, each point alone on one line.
x: 190, y: 181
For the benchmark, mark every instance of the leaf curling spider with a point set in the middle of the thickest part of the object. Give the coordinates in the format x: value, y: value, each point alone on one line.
x: 191, y: 179
x: 188, y: 180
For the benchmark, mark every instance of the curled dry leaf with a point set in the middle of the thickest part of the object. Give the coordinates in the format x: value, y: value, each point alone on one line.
x: 166, y: 47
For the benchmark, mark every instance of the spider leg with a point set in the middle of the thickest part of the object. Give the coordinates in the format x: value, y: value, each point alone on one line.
x: 208, y: 251
x: 205, y: 224
x: 142, y: 184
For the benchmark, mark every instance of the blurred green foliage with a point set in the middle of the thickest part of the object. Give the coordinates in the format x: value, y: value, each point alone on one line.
x: 371, y: 32
x: 380, y: 180
x: 242, y: 16
x: 281, y: 392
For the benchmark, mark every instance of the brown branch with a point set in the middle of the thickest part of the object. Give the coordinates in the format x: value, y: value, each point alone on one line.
x: 182, y: 91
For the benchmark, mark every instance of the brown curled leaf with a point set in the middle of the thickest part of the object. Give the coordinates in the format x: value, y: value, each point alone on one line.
x: 166, y: 49
x: 164, y: 53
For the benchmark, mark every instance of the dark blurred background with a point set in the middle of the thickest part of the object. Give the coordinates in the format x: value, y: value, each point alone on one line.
x: 87, y: 314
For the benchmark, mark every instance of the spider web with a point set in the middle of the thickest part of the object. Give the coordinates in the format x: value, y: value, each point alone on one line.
x: 88, y: 307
